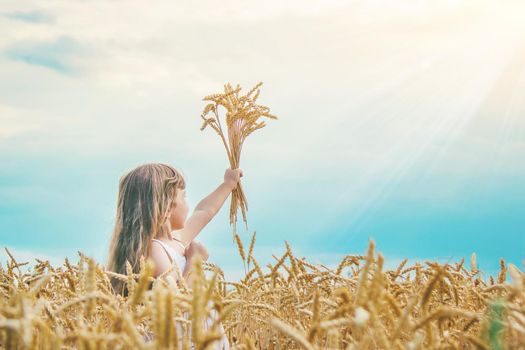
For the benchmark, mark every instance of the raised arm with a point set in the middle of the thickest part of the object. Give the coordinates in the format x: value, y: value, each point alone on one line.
x: 209, y: 206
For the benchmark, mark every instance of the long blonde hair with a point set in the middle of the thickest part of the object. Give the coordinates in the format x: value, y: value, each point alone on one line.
x: 145, y: 196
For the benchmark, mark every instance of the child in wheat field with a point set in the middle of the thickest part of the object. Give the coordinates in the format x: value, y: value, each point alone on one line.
x: 151, y: 220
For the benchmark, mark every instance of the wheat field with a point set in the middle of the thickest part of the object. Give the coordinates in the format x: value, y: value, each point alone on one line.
x: 290, y: 304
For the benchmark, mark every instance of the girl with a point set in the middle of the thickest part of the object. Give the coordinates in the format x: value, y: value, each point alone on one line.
x: 151, y: 221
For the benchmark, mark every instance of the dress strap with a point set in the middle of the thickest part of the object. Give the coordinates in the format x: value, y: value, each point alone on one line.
x: 180, y: 243
x: 165, y: 246
x: 165, y: 249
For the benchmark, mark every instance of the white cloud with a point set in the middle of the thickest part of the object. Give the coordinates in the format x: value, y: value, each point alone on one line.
x: 17, y: 121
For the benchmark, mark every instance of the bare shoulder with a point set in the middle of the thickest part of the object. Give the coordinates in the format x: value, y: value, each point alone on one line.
x: 160, y: 258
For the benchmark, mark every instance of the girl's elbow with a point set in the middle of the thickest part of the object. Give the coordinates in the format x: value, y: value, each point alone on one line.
x: 207, y: 210
x: 209, y: 213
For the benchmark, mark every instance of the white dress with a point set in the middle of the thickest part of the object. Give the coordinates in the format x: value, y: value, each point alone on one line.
x: 223, y: 344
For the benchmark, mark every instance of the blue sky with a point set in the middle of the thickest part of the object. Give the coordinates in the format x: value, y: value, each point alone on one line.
x: 399, y: 121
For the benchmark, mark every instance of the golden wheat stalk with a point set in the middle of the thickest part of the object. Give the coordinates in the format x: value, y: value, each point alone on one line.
x: 438, y: 306
x: 242, y: 114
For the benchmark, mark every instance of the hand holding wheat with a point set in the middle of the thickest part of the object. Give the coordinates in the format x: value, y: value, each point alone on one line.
x: 241, y: 120
x: 233, y: 176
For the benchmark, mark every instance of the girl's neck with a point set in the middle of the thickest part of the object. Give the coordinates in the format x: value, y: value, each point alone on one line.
x: 165, y: 237
x: 170, y: 237
x: 175, y: 236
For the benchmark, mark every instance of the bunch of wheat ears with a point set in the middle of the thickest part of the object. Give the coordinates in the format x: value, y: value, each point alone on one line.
x: 242, y: 115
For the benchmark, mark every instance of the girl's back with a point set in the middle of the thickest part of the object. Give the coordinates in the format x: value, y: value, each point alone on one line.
x: 173, y: 254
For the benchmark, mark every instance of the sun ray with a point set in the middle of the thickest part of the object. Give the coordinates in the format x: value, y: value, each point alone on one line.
x: 447, y: 126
